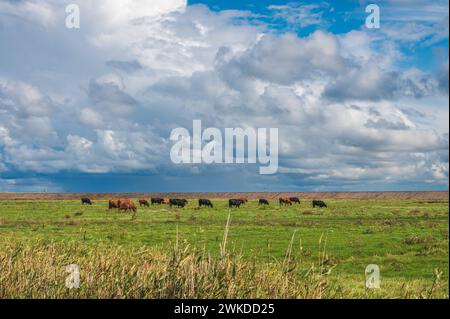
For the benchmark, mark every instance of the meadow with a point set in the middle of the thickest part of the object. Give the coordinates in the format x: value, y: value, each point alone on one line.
x: 251, y: 252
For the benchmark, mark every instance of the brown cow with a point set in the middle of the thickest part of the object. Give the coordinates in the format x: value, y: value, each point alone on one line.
x: 126, y: 205
x: 285, y: 201
x: 165, y: 202
x: 143, y: 202
x: 113, y: 204
x: 243, y: 200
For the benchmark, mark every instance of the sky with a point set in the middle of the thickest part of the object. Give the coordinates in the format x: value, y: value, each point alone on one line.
x: 92, y: 109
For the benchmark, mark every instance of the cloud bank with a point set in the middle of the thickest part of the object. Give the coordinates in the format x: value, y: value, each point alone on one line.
x: 102, y: 100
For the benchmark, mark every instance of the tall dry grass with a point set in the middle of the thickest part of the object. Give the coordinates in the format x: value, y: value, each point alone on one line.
x: 39, y: 271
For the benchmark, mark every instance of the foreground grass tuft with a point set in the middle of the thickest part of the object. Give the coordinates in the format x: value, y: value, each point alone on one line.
x: 39, y: 271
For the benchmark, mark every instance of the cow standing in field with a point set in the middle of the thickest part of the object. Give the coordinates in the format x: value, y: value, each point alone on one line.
x: 285, y: 201
x: 263, y: 201
x: 113, y: 203
x: 177, y: 202
x: 165, y: 202
x: 235, y: 203
x: 127, y: 205
x: 144, y: 202
x: 205, y: 202
x: 126, y: 201
x: 184, y: 201
x: 157, y: 201
x: 86, y: 200
x: 295, y: 200
x: 243, y: 200
x: 319, y: 203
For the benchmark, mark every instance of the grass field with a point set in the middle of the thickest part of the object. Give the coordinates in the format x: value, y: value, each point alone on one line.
x: 305, y: 252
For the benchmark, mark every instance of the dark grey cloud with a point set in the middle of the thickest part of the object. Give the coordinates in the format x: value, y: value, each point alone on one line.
x: 109, y: 92
x: 413, y: 113
x: 368, y: 82
x: 385, y: 124
x: 358, y: 85
x: 287, y: 59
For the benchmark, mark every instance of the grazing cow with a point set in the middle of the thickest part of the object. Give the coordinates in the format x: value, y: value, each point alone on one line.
x: 285, y: 201
x: 113, y: 204
x: 235, y: 203
x: 86, y: 200
x: 177, y: 202
x: 295, y: 200
x: 243, y: 200
x: 126, y: 201
x: 319, y: 203
x: 127, y: 205
x: 165, y: 202
x: 205, y: 202
x: 157, y: 201
x: 184, y: 201
x: 263, y: 201
x: 143, y: 202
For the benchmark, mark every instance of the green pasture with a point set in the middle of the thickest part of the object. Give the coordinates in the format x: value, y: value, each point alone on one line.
x: 407, y: 239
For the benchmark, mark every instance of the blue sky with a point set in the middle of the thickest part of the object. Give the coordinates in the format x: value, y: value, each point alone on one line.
x: 91, y: 109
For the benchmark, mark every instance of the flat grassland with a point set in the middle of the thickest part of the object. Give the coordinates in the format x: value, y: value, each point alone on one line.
x: 251, y: 252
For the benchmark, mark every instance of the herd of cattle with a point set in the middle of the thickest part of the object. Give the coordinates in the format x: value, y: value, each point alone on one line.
x: 128, y: 205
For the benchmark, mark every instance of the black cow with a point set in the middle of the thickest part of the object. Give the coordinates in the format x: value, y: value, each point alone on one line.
x: 157, y: 201
x: 295, y: 200
x: 319, y: 203
x: 235, y: 203
x: 177, y: 202
x: 263, y: 201
x: 205, y: 202
x: 86, y: 200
